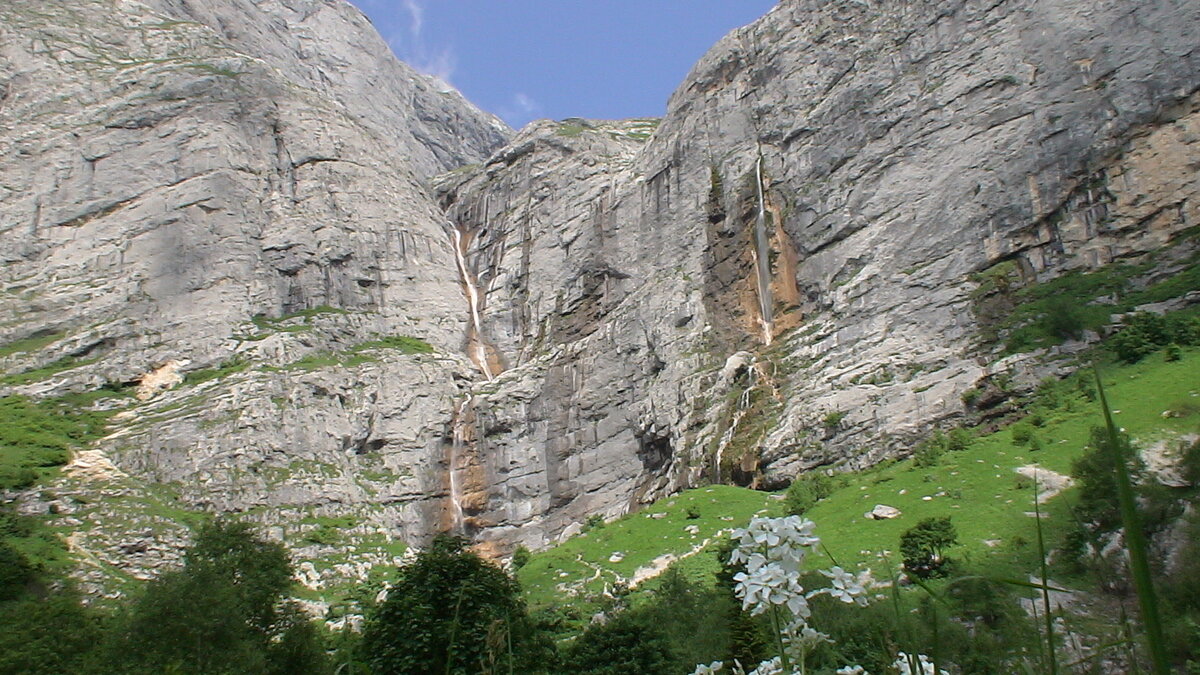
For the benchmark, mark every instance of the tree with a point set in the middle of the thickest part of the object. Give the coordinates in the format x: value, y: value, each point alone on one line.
x: 450, y: 611
x: 49, y: 635
x: 923, y: 545
x: 223, y: 612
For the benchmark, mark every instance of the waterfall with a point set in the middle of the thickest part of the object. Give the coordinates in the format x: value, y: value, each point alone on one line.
x: 762, y: 259
x: 475, y: 344
x: 743, y: 407
x: 458, y: 442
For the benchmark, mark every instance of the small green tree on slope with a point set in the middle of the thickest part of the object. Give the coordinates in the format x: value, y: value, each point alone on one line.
x: 451, y: 612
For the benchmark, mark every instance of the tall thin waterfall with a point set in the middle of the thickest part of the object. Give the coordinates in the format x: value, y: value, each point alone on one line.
x: 762, y: 259
x: 476, y: 347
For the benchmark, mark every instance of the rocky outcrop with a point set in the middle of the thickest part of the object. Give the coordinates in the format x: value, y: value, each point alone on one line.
x: 775, y: 277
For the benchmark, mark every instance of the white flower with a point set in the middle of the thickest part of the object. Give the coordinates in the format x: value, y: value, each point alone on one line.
x: 772, y: 667
x: 847, y: 587
x: 714, y: 667
x: 851, y: 670
x: 924, y: 666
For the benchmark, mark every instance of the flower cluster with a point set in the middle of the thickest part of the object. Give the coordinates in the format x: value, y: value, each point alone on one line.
x: 773, y: 550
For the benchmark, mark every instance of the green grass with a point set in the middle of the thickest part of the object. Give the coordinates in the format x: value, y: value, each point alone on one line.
x: 359, y: 354
x: 286, y: 323
x: 641, y: 538
x: 49, y: 370
x: 30, y: 344
x: 36, y: 437
x: 234, y: 365
x: 983, y: 494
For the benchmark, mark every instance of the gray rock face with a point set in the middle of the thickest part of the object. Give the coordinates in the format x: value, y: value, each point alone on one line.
x: 165, y: 182
x: 173, y: 170
x: 776, y: 277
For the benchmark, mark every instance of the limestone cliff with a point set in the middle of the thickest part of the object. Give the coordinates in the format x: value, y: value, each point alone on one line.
x: 777, y: 276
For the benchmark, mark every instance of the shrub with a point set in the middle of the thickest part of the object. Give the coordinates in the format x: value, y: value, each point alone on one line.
x: 970, y: 396
x: 806, y: 491
x: 833, y: 419
x: 959, y: 440
x: 1022, y: 433
x: 623, y: 645
x: 520, y: 557
x: 923, y: 547
x: 1063, y: 318
x: 224, y: 612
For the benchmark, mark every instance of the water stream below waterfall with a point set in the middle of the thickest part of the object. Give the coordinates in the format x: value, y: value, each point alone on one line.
x: 457, y: 445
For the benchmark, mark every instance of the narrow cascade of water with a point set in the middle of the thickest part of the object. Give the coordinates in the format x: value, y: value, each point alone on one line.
x: 762, y: 259
x: 457, y: 443
x: 475, y: 344
x: 743, y: 407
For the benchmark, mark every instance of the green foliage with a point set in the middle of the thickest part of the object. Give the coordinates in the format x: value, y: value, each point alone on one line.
x: 38, y: 435
x: 923, y: 547
x: 625, y: 644
x: 224, y: 612
x: 833, y: 419
x: 16, y: 573
x: 50, y: 634
x: 806, y: 491
x: 1022, y: 433
x: 1145, y: 333
x: 234, y: 365
x: 1094, y: 473
x: 402, y: 343
x: 450, y: 611
x: 43, y: 372
x: 520, y: 557
x: 360, y: 353
x: 36, y: 342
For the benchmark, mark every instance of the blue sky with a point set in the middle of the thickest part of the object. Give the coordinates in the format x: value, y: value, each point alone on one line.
x: 529, y: 59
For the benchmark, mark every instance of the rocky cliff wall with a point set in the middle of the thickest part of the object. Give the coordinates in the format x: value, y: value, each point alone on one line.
x: 777, y: 276
x: 780, y: 277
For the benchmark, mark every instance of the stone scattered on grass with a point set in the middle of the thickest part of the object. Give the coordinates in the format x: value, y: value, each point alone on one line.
x: 882, y: 512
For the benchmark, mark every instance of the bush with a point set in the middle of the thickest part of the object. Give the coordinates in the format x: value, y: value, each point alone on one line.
x: 1022, y: 433
x: 923, y: 547
x: 520, y: 557
x: 1144, y: 333
x: 450, y: 611
x: 1095, y: 473
x: 970, y: 396
x: 1063, y: 318
x: 806, y: 491
x: 833, y: 419
x: 621, y: 646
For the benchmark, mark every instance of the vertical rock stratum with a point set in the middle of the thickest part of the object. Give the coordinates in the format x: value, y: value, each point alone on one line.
x: 360, y: 312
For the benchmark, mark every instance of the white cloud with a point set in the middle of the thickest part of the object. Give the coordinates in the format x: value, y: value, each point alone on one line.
x: 413, y: 49
x: 520, y: 110
x: 417, y: 15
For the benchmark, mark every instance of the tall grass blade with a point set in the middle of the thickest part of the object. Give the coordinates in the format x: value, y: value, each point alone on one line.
x: 1135, y: 540
x: 1051, y: 657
